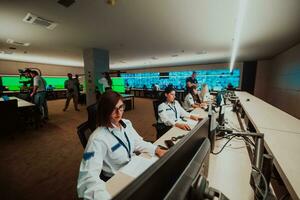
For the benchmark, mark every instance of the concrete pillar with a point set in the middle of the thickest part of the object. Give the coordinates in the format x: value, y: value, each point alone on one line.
x: 95, y: 61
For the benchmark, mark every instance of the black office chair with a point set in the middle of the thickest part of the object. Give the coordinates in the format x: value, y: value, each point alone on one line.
x: 84, y: 132
x: 92, y: 116
x: 161, y: 128
x: 9, y: 115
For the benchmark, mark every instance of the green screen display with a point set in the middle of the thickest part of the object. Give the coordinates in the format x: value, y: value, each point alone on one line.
x: 13, y: 82
x: 56, y: 82
x: 118, y: 84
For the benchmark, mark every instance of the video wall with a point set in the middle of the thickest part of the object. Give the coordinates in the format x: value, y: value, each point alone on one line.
x: 217, y: 79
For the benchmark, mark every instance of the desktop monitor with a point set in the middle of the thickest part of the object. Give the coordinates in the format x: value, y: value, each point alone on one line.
x: 212, y: 129
x: 220, y: 104
x: 158, y: 180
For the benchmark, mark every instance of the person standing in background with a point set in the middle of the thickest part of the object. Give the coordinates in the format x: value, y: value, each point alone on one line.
x: 39, y: 94
x: 77, y: 84
x: 106, y: 81
x: 72, y: 92
x: 191, y: 81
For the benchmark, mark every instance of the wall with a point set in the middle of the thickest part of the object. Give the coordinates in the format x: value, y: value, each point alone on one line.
x: 11, y: 68
x: 278, y: 81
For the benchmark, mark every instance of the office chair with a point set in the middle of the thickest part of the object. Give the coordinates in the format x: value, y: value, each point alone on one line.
x: 84, y: 132
x: 9, y: 115
x: 161, y: 128
x: 92, y: 116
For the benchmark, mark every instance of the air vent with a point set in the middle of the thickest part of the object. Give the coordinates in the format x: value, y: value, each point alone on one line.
x: 33, y: 19
x: 66, y: 3
x: 16, y: 43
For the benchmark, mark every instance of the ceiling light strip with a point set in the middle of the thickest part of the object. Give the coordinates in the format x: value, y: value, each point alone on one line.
x: 238, y: 29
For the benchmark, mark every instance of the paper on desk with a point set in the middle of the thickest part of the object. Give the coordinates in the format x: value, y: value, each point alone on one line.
x: 138, y: 165
x: 192, y: 123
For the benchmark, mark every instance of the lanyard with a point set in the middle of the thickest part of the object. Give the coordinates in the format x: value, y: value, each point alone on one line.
x: 122, y: 143
x: 174, y: 109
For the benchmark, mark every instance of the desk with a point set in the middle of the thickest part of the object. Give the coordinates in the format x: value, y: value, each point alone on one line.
x: 230, y: 170
x: 129, y: 97
x: 21, y: 103
x: 55, y: 94
x: 27, y: 113
x: 281, y: 135
x: 137, y: 92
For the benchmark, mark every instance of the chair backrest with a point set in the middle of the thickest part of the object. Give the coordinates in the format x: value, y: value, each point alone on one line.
x: 155, y: 107
x: 8, y: 115
x: 92, y: 116
x: 84, y: 132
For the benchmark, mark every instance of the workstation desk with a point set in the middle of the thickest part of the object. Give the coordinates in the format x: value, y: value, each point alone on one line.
x: 18, y: 118
x: 281, y: 138
x: 21, y: 103
x: 224, y: 173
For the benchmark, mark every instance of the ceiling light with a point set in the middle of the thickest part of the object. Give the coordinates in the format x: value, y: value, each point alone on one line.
x: 111, y: 2
x: 201, y: 52
x: 16, y: 43
x: 238, y: 29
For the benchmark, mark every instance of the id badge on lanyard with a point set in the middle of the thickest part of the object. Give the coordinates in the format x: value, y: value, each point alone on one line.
x: 128, y: 149
x: 174, y: 109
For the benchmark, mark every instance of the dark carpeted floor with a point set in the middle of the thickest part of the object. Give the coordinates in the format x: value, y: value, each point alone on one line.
x: 44, y: 163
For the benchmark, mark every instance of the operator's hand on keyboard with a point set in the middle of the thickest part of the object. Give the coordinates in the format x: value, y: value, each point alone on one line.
x: 160, y: 152
x: 182, y: 126
x: 195, y: 117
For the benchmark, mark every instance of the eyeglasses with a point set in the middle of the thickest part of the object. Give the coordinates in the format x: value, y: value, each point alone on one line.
x: 121, y: 108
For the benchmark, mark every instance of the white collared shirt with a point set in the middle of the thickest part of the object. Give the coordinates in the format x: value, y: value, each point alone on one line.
x: 104, y: 152
x: 40, y: 83
x: 188, y: 102
x: 170, y: 113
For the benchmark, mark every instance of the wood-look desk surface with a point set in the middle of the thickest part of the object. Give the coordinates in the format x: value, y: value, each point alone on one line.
x: 21, y: 102
x: 282, y: 137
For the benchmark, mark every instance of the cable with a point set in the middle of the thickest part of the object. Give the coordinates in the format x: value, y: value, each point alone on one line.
x: 284, y: 196
x: 216, y: 153
x: 265, y: 183
x: 241, y: 147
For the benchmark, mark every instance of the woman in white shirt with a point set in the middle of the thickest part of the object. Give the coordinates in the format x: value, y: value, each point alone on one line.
x: 189, y: 103
x: 204, y: 94
x: 170, y: 111
x: 109, y: 148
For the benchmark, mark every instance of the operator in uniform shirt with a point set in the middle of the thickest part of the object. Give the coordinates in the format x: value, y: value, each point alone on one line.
x: 170, y: 111
x: 189, y: 103
x: 109, y: 148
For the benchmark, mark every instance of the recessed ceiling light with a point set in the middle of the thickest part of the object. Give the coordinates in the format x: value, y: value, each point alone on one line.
x: 123, y: 61
x: 201, y: 52
x: 16, y: 43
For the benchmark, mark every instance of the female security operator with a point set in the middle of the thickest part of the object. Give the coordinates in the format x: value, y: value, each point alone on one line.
x: 170, y: 111
x: 109, y: 148
x: 189, y: 101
